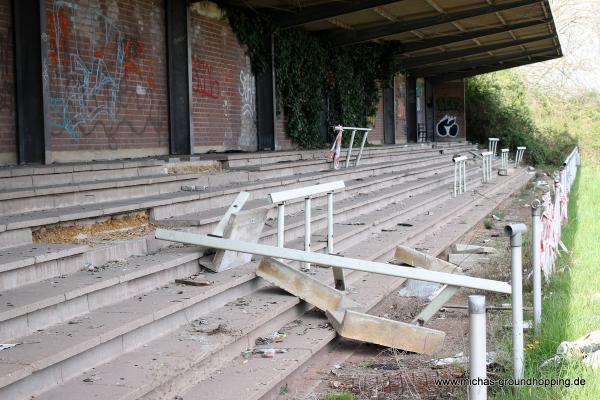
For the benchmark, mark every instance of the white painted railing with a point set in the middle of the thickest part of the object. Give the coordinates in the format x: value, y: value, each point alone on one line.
x: 335, y: 152
x: 460, y: 175
x: 504, y: 159
x: 519, y: 155
x: 548, y: 216
x: 493, y: 145
x: 486, y: 166
x: 280, y: 198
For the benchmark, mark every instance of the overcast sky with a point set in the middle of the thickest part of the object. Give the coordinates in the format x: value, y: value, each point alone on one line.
x: 578, y: 25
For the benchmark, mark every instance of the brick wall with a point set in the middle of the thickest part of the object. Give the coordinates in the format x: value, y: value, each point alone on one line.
x: 8, y: 142
x: 449, y: 111
x: 400, y: 107
x: 223, y: 87
x: 107, y: 79
x: 283, y: 141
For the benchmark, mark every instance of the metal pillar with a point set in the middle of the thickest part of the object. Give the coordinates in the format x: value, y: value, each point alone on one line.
x: 460, y: 175
x: 504, y: 154
x: 307, y: 216
x: 536, y: 241
x: 515, y: 231
x: 280, y: 224
x: 519, y: 155
x: 492, y: 145
x: 350, y: 148
x: 362, y: 146
x: 477, y: 348
x: 338, y: 273
x: 487, y: 166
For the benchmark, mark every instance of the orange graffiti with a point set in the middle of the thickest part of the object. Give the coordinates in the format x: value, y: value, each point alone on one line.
x: 58, y: 27
x: 203, y: 82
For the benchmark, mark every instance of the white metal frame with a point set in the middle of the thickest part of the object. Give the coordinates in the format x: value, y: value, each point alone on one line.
x: 519, y: 155
x: 492, y: 146
x: 460, y: 175
x: 280, y: 198
x: 486, y: 166
x: 477, y: 348
x: 504, y: 156
x: 354, y: 129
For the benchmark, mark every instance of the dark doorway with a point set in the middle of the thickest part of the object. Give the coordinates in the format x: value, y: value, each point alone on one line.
x: 389, y: 117
x: 411, y: 109
x: 265, y: 102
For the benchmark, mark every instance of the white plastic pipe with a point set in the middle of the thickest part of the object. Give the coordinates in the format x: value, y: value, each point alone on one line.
x: 280, y: 224
x: 477, y: 348
x: 307, y: 217
x: 515, y: 231
x: 536, y: 240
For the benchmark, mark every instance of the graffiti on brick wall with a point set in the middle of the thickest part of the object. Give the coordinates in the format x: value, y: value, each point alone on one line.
x: 204, y: 83
x: 447, y: 127
x: 444, y: 104
x: 6, y: 82
x: 103, y: 78
x: 248, y: 93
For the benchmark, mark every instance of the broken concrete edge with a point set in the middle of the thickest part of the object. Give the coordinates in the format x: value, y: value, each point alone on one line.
x: 460, y: 248
x: 355, y: 325
x: 407, y: 255
x: 303, y: 286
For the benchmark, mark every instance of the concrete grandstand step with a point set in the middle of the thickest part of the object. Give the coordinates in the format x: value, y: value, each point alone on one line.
x: 345, y: 231
x: 14, y: 201
x: 193, y: 353
x: 258, y: 158
x: 262, y: 379
x: 30, y: 263
x: 33, y: 176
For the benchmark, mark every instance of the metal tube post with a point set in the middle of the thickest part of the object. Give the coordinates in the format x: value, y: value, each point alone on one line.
x: 338, y: 273
x: 515, y: 231
x: 307, y: 217
x: 350, y: 148
x: 362, y: 146
x: 456, y: 181
x: 536, y: 233
x: 280, y: 224
x: 464, y: 176
x: 477, y: 348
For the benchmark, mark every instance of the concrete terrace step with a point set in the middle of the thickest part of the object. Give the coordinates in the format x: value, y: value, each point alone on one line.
x: 375, y: 203
x: 71, y: 356
x: 260, y: 378
x: 171, y: 364
x: 248, y: 159
x: 14, y: 201
x: 30, y: 263
x: 33, y: 176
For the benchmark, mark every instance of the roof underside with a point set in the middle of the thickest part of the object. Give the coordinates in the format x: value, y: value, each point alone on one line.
x: 439, y: 39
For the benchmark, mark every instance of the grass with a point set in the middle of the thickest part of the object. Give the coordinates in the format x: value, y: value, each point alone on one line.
x: 570, y: 309
x: 339, y: 396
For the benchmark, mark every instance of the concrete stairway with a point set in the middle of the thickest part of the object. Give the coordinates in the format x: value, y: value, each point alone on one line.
x: 132, y: 332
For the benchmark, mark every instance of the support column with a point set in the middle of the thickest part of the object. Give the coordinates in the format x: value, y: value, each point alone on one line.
x: 265, y: 101
x: 178, y: 67
x: 31, y: 94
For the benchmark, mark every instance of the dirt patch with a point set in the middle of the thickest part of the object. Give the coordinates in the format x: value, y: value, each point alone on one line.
x: 118, y: 227
x: 193, y: 168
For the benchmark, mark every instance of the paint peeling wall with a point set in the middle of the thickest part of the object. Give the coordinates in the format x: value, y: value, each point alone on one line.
x: 223, y: 86
x: 449, y: 111
x: 105, y: 69
x: 8, y: 141
x: 400, y: 107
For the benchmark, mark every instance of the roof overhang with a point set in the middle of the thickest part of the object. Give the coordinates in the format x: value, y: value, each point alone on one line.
x: 438, y: 39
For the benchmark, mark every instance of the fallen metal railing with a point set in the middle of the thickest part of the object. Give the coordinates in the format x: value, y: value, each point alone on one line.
x: 460, y: 175
x: 280, y: 198
x: 486, y: 166
x: 519, y: 155
x: 335, y: 152
x: 492, y: 146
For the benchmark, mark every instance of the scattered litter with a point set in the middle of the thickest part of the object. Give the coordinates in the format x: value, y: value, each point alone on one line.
x: 269, y: 353
x: 496, y: 217
x: 247, y: 353
x: 404, y: 224
x: 586, y: 347
x: 275, y: 337
x: 192, y: 282
x: 7, y: 345
x: 419, y: 289
x: 91, y: 379
x: 337, y: 366
x: 460, y: 358
x: 80, y: 236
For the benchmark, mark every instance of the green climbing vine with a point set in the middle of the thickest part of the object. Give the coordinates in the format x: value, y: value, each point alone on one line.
x: 316, y: 82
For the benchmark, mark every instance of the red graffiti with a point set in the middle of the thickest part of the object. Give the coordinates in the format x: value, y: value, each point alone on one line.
x: 134, y: 60
x: 202, y: 78
x: 59, y: 37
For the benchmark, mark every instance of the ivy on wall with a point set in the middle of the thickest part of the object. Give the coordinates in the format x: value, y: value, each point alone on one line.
x: 314, y: 77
